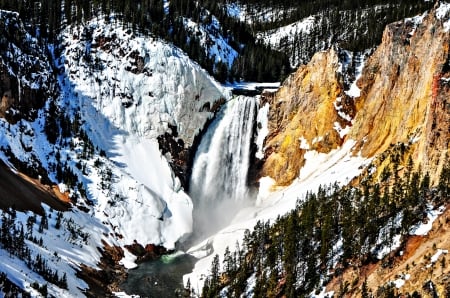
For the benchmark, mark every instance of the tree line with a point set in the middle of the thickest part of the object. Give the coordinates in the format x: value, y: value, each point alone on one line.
x: 360, y: 28
x: 329, y: 230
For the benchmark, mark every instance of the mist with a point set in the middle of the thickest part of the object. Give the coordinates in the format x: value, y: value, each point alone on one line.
x: 218, y: 185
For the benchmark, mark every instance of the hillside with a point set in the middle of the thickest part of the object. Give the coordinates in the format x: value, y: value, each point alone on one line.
x: 395, y: 96
x: 23, y: 193
x: 370, y: 120
x: 113, y: 99
x: 117, y: 146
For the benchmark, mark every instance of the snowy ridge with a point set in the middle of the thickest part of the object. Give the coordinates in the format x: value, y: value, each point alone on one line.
x: 61, y: 250
x: 23, y: 59
x: 130, y: 90
x: 442, y: 13
x: 211, y: 39
x: 286, y: 34
x: 252, y: 14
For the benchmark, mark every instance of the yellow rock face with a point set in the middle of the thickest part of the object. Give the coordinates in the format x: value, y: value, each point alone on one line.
x: 303, y: 109
x: 404, y: 99
x: 402, y: 94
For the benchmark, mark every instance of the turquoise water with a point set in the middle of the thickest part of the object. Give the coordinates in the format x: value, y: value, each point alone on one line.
x: 159, y: 278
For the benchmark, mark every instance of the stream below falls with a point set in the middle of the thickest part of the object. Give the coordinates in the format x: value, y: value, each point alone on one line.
x: 159, y: 278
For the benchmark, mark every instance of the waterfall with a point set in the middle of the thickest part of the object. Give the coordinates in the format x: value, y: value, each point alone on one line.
x: 218, y: 183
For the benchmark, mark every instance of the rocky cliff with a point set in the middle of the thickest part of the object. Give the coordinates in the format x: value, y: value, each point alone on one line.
x: 401, y: 97
x: 26, y: 79
x: 404, y: 92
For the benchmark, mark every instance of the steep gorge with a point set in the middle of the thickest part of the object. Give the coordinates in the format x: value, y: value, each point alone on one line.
x: 403, y: 99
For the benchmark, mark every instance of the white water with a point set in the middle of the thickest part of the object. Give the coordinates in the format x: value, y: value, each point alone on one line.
x: 218, y: 183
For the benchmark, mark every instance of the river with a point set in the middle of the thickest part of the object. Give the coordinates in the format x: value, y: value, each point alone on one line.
x: 159, y: 278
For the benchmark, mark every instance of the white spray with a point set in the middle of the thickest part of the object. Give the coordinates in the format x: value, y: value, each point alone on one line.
x: 218, y: 183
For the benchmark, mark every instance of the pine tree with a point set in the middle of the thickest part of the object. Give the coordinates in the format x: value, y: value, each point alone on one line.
x: 364, y: 290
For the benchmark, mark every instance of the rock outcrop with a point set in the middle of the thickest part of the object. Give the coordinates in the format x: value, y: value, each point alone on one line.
x: 26, y: 80
x: 404, y: 91
x: 303, y: 116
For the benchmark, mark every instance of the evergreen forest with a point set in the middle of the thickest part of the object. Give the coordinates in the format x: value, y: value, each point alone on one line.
x: 352, y: 25
x: 329, y: 231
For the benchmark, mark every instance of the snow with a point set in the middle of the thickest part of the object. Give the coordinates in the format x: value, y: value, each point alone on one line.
x: 274, y: 37
x: 382, y: 248
x: 271, y: 86
x: 279, y: 37
x: 128, y: 261
x: 123, y: 109
x: 423, y: 228
x: 250, y: 14
x: 265, y: 187
x: 395, y: 243
x: 124, y: 295
x: 216, y: 45
x: 60, y: 250
x: 304, y: 144
x: 338, y: 108
x: 442, y: 13
x: 342, y: 131
x: 165, y: 90
x: 233, y: 10
x: 354, y: 90
x: 145, y: 203
x: 415, y: 21
x: 436, y: 256
x: 339, y: 166
x: 166, y: 5
x: 399, y: 283
x: 323, y: 294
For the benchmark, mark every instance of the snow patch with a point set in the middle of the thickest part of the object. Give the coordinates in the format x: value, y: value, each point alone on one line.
x: 304, y: 144
x: 436, y: 256
x: 442, y: 13
x: 399, y: 283
x: 385, y: 244
x: 415, y: 21
x: 128, y: 261
x: 354, y: 90
x: 323, y: 294
x: 215, y: 44
x: 342, y: 131
x: 422, y: 229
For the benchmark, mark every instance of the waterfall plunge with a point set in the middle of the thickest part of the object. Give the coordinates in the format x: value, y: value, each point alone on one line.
x: 218, y: 183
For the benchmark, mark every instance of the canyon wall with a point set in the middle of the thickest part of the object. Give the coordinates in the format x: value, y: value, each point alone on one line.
x: 401, y: 98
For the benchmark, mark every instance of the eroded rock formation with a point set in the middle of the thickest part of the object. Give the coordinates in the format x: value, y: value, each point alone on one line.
x: 403, y: 93
x: 26, y: 80
x: 302, y: 116
x: 404, y: 99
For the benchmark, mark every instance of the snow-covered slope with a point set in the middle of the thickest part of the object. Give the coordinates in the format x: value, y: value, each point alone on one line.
x: 129, y: 90
x: 25, y: 71
x: 338, y: 166
x: 141, y: 85
x: 215, y: 44
x: 119, y: 92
